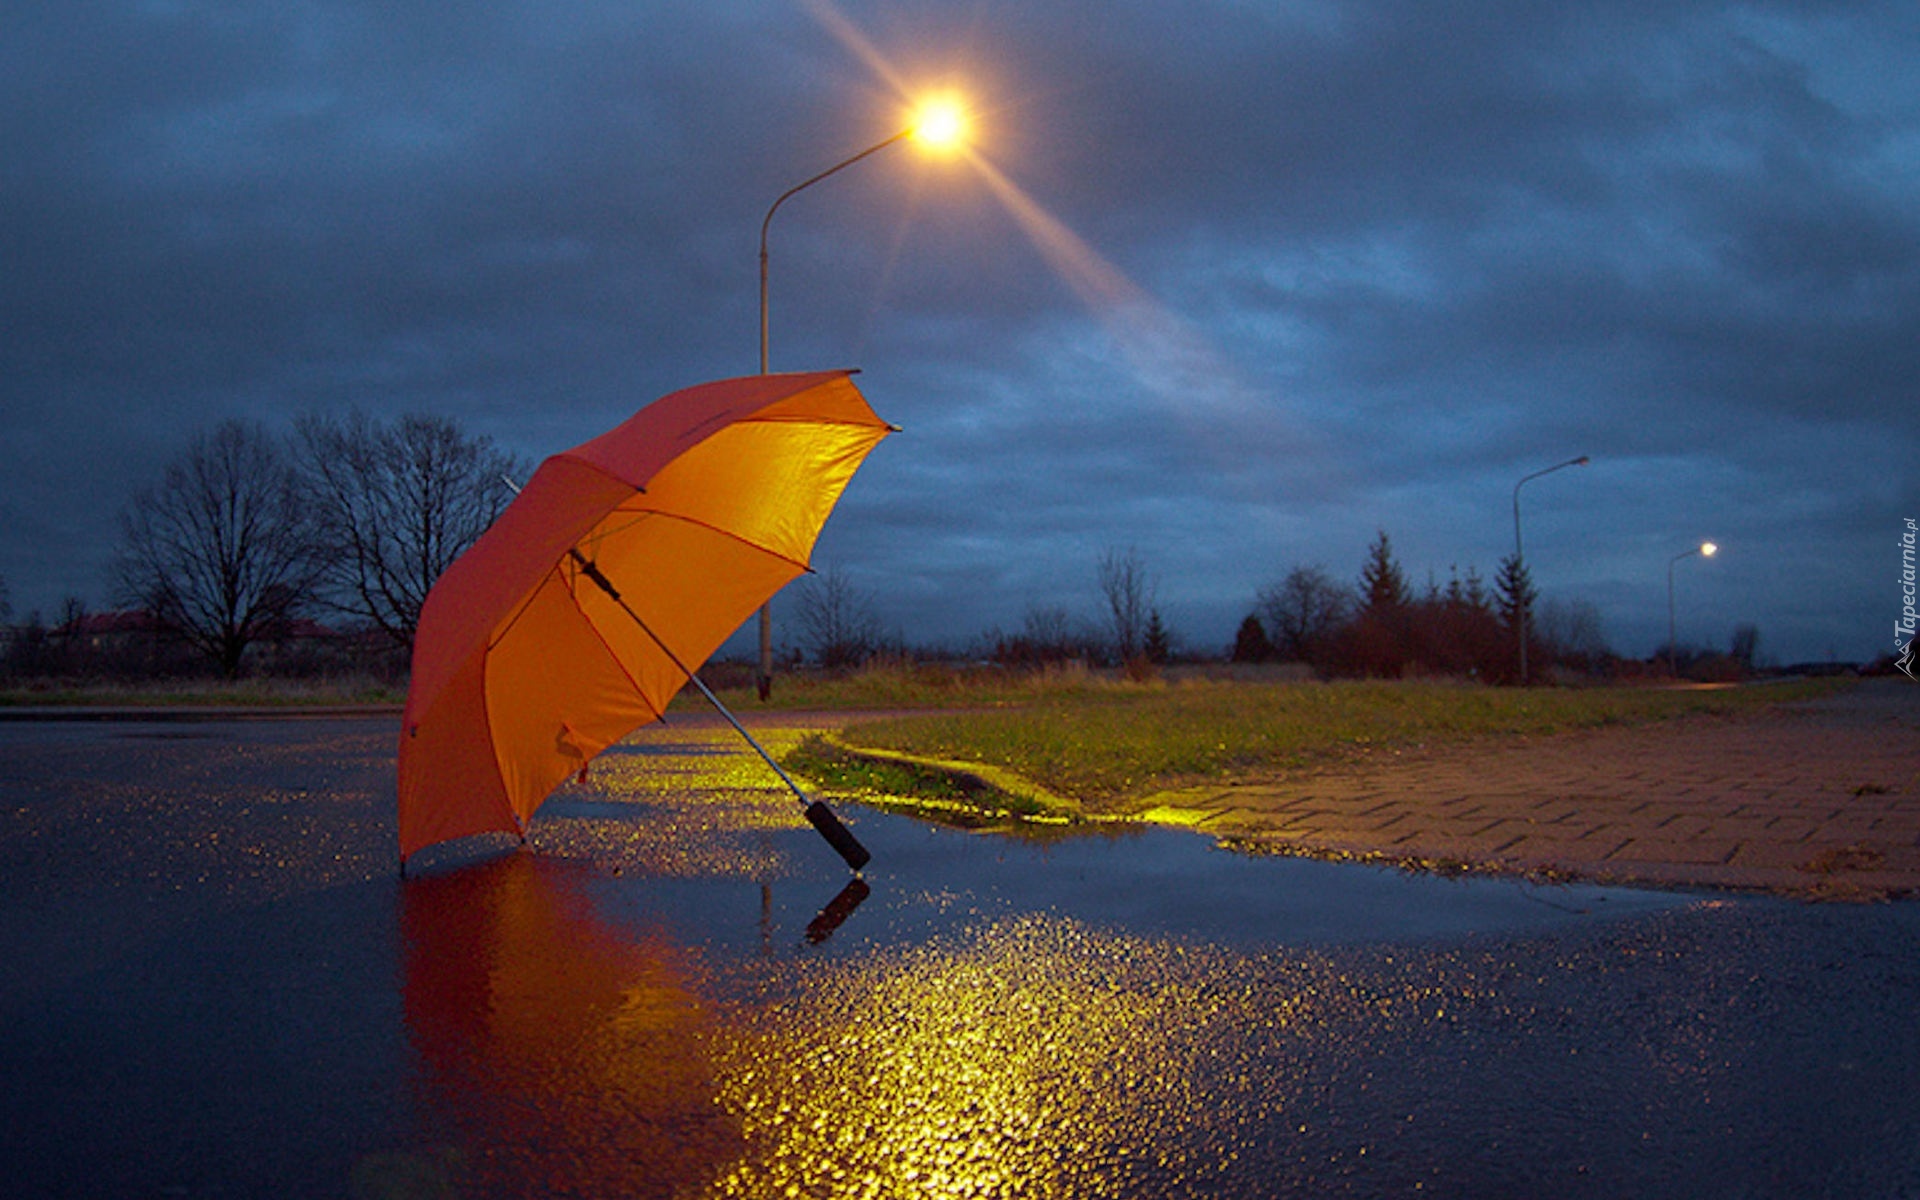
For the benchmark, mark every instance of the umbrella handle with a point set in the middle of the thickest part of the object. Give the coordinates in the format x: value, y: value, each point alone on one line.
x: 818, y: 814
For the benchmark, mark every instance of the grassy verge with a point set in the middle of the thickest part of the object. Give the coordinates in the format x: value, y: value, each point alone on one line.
x: 890, y: 686
x: 201, y: 693
x: 1106, y: 746
x: 960, y: 796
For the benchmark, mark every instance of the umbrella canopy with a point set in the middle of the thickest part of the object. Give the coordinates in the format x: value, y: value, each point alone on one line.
x: 696, y: 510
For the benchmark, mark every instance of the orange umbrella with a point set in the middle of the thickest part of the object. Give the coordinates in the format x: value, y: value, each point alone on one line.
x: 620, y: 567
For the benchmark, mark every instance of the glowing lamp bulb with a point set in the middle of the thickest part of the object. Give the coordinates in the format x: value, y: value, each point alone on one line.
x: 1708, y: 549
x: 940, y: 123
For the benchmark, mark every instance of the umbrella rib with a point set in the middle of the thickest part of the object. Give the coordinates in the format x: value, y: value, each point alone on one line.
x: 595, y: 538
x: 559, y: 574
x: 520, y: 609
x: 659, y: 713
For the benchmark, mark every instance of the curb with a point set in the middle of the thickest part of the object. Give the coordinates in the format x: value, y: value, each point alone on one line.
x: 981, y: 777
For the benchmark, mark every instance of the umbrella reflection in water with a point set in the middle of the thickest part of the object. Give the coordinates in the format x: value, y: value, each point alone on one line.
x: 556, y: 1054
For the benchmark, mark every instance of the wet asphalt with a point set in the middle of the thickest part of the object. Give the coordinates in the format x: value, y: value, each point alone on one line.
x: 218, y: 985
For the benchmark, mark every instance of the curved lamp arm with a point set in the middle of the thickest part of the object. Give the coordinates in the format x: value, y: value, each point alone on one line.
x: 767, y: 222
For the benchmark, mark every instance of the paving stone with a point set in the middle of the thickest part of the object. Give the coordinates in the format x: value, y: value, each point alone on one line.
x: 1715, y: 802
x: 1711, y: 851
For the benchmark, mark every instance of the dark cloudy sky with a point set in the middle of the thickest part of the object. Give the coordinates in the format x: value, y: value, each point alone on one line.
x: 1236, y: 284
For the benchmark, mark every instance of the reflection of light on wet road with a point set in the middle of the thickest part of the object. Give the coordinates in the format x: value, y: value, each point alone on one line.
x: 1033, y: 1061
x: 1000, y: 1050
x: 673, y: 803
x: 1041, y: 1057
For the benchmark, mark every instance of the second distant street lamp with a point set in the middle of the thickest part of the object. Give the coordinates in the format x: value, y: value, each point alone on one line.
x: 1704, y: 550
x: 939, y: 122
x: 1519, y: 558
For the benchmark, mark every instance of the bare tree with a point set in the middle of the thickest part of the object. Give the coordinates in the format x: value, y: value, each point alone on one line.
x: 1746, y: 644
x: 1048, y: 634
x: 1573, y: 630
x: 222, y: 549
x: 836, y: 619
x: 1128, y: 593
x: 1303, y: 610
x: 1052, y: 632
x: 395, y: 505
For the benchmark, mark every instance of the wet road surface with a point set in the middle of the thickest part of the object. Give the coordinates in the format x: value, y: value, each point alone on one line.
x: 217, y: 985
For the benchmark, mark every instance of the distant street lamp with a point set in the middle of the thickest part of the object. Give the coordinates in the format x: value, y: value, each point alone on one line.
x: 1519, y: 555
x: 939, y: 122
x: 1704, y: 550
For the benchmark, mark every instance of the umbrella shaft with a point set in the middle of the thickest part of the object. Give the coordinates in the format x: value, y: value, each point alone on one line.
x: 592, y: 571
x: 818, y: 814
x: 738, y: 727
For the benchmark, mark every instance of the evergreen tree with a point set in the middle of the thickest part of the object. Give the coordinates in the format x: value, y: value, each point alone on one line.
x: 1159, y: 643
x: 1251, y: 644
x: 1383, y: 587
x: 1514, y: 587
x: 1380, y: 641
x: 1475, y: 593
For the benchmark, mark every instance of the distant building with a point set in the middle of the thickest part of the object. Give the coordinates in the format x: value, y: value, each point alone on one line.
x: 111, y: 631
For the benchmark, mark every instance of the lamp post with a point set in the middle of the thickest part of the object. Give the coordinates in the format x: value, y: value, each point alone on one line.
x: 1704, y: 550
x: 1519, y: 556
x: 938, y: 122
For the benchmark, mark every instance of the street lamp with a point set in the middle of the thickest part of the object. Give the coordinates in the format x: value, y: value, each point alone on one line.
x: 1704, y: 550
x: 1518, y: 556
x: 940, y: 122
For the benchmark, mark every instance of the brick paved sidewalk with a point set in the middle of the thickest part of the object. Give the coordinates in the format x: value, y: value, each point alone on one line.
x: 1820, y: 799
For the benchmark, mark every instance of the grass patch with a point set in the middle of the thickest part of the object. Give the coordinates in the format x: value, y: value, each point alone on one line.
x: 965, y: 797
x: 1104, y: 746
x: 890, y: 686
x: 203, y: 693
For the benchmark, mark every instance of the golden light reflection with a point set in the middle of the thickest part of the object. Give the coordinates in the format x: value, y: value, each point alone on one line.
x: 683, y: 808
x: 1027, y: 1056
x: 1045, y: 1058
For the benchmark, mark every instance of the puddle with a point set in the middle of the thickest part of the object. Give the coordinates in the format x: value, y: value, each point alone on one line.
x: 676, y: 991
x: 925, y: 879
